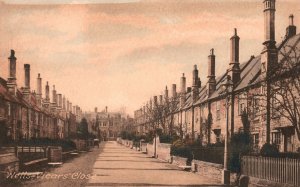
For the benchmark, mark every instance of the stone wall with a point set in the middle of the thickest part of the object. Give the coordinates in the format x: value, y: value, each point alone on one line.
x: 179, y: 161
x: 55, y: 154
x: 150, y: 149
x: 143, y: 147
x: 211, y: 170
x: 9, y: 163
x: 163, y: 151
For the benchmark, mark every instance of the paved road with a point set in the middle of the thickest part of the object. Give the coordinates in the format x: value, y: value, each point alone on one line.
x: 117, y: 165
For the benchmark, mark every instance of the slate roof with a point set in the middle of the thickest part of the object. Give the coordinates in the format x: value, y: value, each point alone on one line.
x: 250, y: 74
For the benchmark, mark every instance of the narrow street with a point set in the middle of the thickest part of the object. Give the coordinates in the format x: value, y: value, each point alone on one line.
x: 120, y: 166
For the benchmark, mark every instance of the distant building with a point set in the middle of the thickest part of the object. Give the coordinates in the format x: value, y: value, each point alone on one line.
x: 106, y: 125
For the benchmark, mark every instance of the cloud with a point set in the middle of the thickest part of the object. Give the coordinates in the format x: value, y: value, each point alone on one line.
x: 121, y: 54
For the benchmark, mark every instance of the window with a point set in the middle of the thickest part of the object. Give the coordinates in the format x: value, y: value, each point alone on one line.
x: 255, y: 141
x: 255, y: 107
x: 218, y: 110
x: 276, y: 139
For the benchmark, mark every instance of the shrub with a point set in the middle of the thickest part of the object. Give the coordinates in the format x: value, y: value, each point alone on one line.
x: 269, y: 150
x: 184, y: 151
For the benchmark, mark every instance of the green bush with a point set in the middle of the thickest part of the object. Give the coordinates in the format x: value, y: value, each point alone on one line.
x: 185, y: 152
x: 240, y: 144
x: 269, y: 150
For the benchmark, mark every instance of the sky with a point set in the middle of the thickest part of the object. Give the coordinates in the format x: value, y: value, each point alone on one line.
x: 120, y: 53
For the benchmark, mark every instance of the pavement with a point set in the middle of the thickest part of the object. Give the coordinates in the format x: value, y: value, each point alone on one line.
x: 118, y: 165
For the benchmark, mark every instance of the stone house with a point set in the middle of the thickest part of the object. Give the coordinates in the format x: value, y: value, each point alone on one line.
x: 200, y: 109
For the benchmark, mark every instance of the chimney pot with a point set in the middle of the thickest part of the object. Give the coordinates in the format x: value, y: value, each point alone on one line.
x: 27, y: 76
x: 291, y: 30
x: 291, y: 19
x: 174, y: 90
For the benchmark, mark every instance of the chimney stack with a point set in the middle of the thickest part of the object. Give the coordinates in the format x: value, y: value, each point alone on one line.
x: 26, y: 89
x: 183, y: 90
x: 234, y: 69
x: 39, y: 87
x: 199, y: 83
x: 47, y: 93
x: 155, y: 103
x: 68, y: 105
x: 189, y: 89
x: 291, y: 30
x: 150, y: 104
x: 11, y: 83
x: 269, y: 11
x: 174, y: 93
x: 54, y: 97
x: 269, y: 55
x: 96, y: 110
x: 195, y: 88
x: 64, y: 103
x: 27, y: 76
x: 166, y: 93
x: 60, y: 100
x: 106, y: 109
x: 211, y: 84
x: 160, y: 99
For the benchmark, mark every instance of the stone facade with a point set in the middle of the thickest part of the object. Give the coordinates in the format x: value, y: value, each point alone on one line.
x: 26, y: 114
x: 201, y: 113
x: 107, y: 125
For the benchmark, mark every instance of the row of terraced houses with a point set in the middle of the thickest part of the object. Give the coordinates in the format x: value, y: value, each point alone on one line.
x: 200, y: 104
x: 26, y: 114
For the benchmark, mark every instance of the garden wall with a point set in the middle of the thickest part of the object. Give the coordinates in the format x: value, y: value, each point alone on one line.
x: 163, y: 151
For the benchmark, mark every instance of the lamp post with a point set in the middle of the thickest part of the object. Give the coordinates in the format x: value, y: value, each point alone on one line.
x: 227, y: 87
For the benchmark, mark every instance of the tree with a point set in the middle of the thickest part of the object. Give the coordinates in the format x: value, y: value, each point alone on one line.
x: 284, y: 89
x: 82, y: 130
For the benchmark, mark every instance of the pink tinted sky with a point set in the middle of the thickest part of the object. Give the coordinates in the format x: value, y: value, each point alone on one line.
x: 99, y: 53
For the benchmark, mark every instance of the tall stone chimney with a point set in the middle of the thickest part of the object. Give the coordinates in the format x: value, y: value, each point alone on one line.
x: 12, y: 83
x: 269, y: 55
x: 291, y: 30
x: 96, y: 110
x: 26, y: 89
x: 54, y: 96
x: 155, y: 103
x: 68, y: 105
x: 211, y: 84
x: 150, y: 104
x: 189, y: 89
x: 160, y: 99
x: 27, y: 75
x: 199, y: 83
x: 174, y: 93
x: 234, y: 65
x: 183, y: 90
x: 195, y: 89
x: 39, y: 89
x: 106, y: 109
x: 59, y: 101
x: 64, y: 103
x: 71, y: 108
x: 166, y: 93
x: 47, y: 93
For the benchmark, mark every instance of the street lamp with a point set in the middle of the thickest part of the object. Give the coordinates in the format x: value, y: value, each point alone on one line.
x: 227, y: 89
